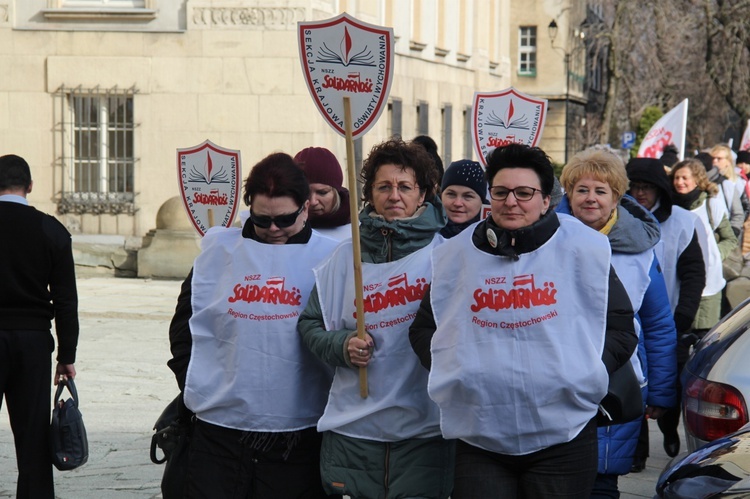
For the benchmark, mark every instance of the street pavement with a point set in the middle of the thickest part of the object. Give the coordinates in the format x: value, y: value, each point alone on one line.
x: 124, y: 383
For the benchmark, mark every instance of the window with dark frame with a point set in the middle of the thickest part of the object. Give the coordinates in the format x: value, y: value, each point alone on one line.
x: 394, y: 118
x: 468, y: 139
x: 446, y: 115
x: 97, y: 153
x: 527, y: 50
x: 423, y: 118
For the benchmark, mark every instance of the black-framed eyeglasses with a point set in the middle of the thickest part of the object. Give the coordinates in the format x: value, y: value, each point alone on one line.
x: 522, y: 193
x: 281, y: 221
x: 642, y: 187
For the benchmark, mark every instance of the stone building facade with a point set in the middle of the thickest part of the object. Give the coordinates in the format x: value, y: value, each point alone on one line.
x: 98, y: 94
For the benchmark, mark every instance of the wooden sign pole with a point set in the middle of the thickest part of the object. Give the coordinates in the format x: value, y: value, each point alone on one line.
x: 359, y: 293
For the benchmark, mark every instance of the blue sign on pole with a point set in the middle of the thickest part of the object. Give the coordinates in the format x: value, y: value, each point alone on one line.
x: 628, y: 140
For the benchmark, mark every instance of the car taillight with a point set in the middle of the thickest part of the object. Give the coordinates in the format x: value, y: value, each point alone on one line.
x: 712, y: 409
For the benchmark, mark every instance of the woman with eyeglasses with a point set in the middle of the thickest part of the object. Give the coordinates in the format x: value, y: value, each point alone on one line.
x: 255, y: 391
x: 732, y: 185
x: 522, y: 325
x: 595, y: 183
x: 388, y: 444
x: 329, y: 211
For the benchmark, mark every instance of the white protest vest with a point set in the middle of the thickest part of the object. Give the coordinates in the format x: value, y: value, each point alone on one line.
x: 633, y: 270
x: 714, y: 270
x: 729, y: 190
x: 676, y: 233
x: 339, y: 233
x: 249, y: 369
x: 516, y: 357
x: 397, y: 406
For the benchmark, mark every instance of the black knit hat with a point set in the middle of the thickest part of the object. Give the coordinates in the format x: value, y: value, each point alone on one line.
x: 670, y: 155
x: 706, y: 159
x: 651, y: 171
x: 468, y: 174
x: 743, y: 157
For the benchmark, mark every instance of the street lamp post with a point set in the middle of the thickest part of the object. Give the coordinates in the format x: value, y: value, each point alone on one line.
x: 567, y: 54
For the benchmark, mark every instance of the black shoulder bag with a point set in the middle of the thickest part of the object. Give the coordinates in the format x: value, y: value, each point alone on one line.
x: 624, y: 401
x: 172, y: 436
x: 68, y: 441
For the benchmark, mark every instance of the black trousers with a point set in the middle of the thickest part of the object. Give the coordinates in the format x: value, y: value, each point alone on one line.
x: 25, y: 381
x: 670, y: 421
x: 224, y: 463
x: 563, y: 470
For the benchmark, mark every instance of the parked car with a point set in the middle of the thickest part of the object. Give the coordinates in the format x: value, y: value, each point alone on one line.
x: 719, y: 469
x: 716, y: 380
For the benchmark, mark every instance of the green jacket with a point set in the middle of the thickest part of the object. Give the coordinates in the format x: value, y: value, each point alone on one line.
x: 381, y: 242
x: 367, y: 468
x: 709, y: 310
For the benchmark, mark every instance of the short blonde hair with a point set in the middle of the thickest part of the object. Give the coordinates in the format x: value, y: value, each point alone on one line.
x: 600, y: 164
x: 698, y: 169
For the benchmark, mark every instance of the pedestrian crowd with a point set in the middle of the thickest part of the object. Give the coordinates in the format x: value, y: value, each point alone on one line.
x: 484, y: 379
x: 498, y: 305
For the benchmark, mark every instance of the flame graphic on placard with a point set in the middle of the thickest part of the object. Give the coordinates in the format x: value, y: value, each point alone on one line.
x: 210, y: 165
x: 346, y: 45
x: 521, y: 122
x: 207, y: 176
x: 344, y: 55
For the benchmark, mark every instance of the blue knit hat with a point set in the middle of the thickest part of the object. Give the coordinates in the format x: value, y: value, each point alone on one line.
x: 468, y: 174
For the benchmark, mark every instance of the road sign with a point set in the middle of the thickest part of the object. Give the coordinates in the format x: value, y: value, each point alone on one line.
x: 628, y: 140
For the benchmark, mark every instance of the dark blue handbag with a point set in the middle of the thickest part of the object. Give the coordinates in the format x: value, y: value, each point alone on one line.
x: 68, y: 441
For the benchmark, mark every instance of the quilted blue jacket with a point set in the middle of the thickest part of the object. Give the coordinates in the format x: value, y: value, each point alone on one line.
x: 635, y: 231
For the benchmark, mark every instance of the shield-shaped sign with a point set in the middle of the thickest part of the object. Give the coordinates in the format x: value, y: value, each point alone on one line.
x: 209, y: 177
x: 505, y: 117
x: 346, y: 57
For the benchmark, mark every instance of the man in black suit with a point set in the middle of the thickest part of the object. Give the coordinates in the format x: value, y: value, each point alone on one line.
x: 37, y: 284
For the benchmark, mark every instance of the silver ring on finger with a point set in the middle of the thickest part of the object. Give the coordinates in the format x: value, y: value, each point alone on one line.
x: 361, y: 352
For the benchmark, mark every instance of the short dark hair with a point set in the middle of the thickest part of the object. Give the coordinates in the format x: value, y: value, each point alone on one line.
x: 14, y: 173
x: 522, y: 156
x: 405, y: 155
x: 432, y: 149
x: 277, y: 175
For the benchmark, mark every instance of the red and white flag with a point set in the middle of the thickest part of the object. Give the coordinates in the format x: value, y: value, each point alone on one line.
x: 670, y: 129
x: 745, y: 142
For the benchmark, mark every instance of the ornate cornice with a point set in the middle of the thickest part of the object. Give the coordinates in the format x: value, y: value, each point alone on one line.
x: 251, y: 17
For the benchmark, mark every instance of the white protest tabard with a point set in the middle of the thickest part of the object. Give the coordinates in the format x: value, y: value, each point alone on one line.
x: 346, y: 57
x: 745, y: 142
x: 506, y: 117
x: 670, y: 129
x: 209, y: 184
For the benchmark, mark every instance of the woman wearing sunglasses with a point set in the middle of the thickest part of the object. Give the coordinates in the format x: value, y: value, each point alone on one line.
x: 388, y: 444
x: 522, y: 324
x: 256, y: 391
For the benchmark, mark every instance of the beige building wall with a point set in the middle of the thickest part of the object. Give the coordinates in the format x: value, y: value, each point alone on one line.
x: 228, y: 71
x: 550, y: 82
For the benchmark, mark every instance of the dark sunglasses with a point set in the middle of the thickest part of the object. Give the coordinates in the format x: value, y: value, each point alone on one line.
x: 282, y: 221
